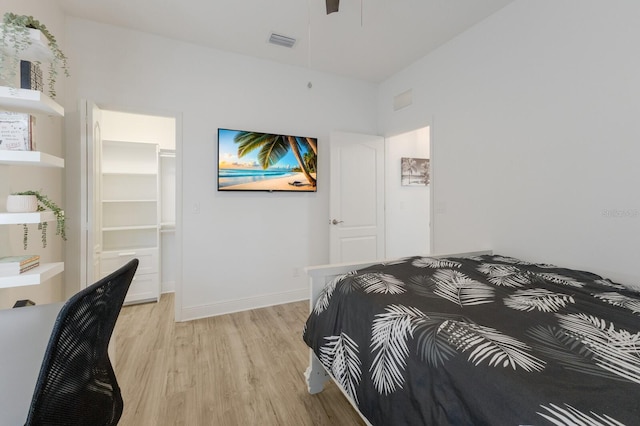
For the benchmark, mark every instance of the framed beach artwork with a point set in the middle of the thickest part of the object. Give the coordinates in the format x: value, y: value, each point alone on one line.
x: 414, y: 171
x: 255, y: 161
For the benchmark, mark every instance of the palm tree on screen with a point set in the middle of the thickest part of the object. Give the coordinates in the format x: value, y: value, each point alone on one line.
x: 310, y: 161
x: 272, y: 148
x: 312, y: 143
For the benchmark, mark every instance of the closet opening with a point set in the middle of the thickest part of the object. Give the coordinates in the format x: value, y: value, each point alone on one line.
x: 135, y: 200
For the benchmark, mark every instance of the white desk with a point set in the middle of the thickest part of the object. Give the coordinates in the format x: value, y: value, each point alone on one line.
x: 24, y: 334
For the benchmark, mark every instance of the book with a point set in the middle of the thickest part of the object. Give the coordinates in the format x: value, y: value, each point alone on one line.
x: 14, y: 265
x: 14, y: 268
x: 29, y: 267
x: 18, y: 270
x: 16, y: 131
x: 21, y: 260
x: 30, y: 76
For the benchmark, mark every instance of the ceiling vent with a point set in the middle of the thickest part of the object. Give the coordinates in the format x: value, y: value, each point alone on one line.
x: 282, y: 40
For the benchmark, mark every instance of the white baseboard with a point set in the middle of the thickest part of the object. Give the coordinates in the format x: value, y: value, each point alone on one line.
x: 230, y: 306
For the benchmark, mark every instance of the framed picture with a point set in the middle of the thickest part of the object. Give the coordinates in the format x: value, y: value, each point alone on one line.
x: 16, y: 131
x: 414, y: 171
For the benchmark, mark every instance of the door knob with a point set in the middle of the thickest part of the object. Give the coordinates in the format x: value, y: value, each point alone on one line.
x: 336, y: 221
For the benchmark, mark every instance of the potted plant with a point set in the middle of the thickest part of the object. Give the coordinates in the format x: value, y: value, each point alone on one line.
x: 44, y: 204
x: 15, y: 39
x: 20, y: 203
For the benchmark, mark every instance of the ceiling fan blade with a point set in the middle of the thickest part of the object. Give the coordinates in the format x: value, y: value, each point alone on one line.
x: 332, y: 6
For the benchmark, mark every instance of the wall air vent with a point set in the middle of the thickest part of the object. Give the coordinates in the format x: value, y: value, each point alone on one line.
x: 402, y: 100
x: 282, y: 40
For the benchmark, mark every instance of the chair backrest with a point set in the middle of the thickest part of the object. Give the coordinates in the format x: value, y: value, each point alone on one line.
x: 77, y: 384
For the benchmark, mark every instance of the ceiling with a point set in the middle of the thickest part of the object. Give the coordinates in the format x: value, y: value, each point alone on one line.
x: 367, y: 39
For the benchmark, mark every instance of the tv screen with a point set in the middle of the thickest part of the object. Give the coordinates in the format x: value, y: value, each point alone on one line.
x: 254, y: 161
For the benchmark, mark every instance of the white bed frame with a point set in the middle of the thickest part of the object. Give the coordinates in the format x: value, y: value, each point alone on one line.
x: 319, y: 277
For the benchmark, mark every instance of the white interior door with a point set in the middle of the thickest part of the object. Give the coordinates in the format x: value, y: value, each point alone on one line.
x: 93, y: 142
x: 357, y: 197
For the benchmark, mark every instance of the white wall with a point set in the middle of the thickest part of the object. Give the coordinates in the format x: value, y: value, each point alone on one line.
x: 239, y: 250
x: 407, y: 208
x: 535, y: 135
x: 134, y: 127
x: 46, y: 180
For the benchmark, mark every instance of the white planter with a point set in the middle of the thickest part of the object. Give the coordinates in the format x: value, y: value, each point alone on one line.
x: 22, y: 203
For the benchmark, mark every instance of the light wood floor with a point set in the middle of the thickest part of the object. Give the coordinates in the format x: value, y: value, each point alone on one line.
x: 238, y: 369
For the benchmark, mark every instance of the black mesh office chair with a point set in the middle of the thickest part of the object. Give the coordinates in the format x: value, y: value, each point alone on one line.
x: 77, y: 385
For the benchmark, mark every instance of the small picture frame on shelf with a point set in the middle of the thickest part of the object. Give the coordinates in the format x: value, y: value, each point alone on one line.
x: 16, y: 131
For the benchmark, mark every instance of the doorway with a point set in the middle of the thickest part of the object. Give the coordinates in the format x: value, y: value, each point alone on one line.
x: 374, y: 213
x: 131, y: 130
x: 129, y: 170
x: 408, y: 200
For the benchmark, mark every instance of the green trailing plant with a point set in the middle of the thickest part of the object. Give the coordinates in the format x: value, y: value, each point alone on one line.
x: 15, y: 39
x: 44, y: 204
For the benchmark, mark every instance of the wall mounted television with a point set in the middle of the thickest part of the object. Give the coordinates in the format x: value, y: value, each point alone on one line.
x: 255, y: 161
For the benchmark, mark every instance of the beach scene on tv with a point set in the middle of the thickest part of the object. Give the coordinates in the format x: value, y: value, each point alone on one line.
x: 253, y: 161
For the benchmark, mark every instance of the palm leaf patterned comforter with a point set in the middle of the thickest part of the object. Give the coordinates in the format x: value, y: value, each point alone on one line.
x: 488, y: 340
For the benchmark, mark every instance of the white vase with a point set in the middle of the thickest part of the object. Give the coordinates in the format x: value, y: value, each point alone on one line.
x: 22, y: 203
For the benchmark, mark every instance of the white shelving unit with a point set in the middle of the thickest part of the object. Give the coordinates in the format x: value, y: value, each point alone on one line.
x: 130, y: 214
x: 38, y: 49
x: 20, y: 218
x: 46, y: 270
x: 30, y: 158
x: 25, y: 100
x: 33, y: 101
x: 33, y: 276
x: 30, y: 101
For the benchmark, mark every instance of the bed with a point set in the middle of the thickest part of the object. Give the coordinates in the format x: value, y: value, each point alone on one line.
x: 475, y: 339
